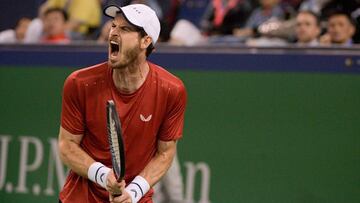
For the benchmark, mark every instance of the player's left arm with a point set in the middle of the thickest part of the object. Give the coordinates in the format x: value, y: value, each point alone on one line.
x: 160, y: 163
x: 170, y: 131
x: 151, y: 174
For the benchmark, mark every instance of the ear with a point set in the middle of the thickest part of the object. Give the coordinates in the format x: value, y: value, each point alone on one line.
x: 145, y: 42
x: 318, y: 31
x: 352, y: 30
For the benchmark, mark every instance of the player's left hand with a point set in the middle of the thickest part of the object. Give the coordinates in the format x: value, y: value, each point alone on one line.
x: 114, y: 187
x: 124, y: 198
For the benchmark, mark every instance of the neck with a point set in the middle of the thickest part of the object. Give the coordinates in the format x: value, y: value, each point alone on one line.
x: 129, y: 79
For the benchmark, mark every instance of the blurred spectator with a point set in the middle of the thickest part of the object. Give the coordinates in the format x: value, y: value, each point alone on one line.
x: 84, y: 16
x: 34, y: 32
x: 186, y: 33
x: 295, y: 4
x: 17, y: 35
x: 170, y: 188
x: 222, y: 16
x: 290, y: 8
x: 104, y: 34
x: 331, y: 6
x: 314, y: 6
x: 273, y: 32
x: 352, y: 7
x: 307, y: 28
x: 193, y: 10
x: 340, y: 30
x: 269, y: 9
x: 55, y: 26
x: 170, y: 10
x: 186, y: 29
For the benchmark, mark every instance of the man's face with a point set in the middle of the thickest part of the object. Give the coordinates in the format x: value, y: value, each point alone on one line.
x: 124, y: 43
x: 306, y: 27
x: 340, y: 29
x: 54, y: 24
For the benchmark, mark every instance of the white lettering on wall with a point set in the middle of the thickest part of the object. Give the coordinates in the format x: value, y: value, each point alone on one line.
x: 31, y: 160
x: 191, y: 169
x: 24, y: 166
x: 54, y: 160
x: 4, y: 143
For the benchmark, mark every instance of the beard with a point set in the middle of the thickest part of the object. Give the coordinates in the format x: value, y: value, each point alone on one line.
x: 127, y: 58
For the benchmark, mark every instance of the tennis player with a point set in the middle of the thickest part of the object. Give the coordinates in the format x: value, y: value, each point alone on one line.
x: 150, y: 102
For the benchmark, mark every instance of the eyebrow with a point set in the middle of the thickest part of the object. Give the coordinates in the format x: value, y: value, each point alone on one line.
x: 129, y: 26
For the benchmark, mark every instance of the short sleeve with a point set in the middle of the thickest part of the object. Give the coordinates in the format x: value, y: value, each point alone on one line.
x: 72, y: 113
x: 173, y: 123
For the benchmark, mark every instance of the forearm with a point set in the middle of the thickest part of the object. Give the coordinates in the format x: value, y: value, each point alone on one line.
x: 81, y: 163
x: 74, y: 156
x: 153, y: 171
x: 160, y: 163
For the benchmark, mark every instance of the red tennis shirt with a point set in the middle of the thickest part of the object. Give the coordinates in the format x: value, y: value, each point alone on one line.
x: 154, y: 112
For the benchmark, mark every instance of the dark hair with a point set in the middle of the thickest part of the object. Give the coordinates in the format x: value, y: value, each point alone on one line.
x: 55, y: 9
x: 317, y: 18
x: 151, y: 47
x: 345, y: 14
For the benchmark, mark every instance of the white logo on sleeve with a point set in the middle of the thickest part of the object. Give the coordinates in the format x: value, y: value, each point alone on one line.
x: 142, y: 117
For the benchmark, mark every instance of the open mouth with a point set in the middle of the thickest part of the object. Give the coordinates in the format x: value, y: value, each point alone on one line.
x: 114, y: 48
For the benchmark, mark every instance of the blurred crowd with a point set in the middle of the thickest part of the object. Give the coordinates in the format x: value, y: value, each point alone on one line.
x: 197, y: 22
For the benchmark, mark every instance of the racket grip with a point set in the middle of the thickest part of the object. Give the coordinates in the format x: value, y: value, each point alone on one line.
x: 118, y: 180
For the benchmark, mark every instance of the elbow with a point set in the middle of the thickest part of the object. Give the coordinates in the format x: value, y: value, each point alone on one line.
x: 166, y: 150
x: 167, y: 156
x: 62, y: 152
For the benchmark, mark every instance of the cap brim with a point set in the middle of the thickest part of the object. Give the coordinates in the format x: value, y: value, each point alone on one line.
x: 111, y: 11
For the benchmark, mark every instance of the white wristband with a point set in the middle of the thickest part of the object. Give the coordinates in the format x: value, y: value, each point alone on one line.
x: 137, y: 188
x: 98, y: 173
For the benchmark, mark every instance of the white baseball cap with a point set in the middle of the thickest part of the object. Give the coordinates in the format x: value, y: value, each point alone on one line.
x: 139, y: 15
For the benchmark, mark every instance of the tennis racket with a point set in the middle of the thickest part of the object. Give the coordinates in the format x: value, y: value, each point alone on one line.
x: 115, y: 141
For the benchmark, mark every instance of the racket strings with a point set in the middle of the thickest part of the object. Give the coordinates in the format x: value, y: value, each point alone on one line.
x: 114, y: 140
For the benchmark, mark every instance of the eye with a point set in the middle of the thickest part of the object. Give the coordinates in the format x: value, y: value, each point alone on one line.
x: 113, y: 25
x: 125, y: 28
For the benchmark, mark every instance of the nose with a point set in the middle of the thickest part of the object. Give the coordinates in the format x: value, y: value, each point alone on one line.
x: 114, y: 33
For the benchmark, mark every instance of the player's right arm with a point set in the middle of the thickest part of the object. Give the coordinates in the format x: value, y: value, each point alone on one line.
x: 72, y: 132
x: 81, y: 163
x: 72, y: 127
x: 72, y: 154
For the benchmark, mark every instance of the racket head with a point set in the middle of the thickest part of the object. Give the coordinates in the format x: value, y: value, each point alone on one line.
x: 115, y: 140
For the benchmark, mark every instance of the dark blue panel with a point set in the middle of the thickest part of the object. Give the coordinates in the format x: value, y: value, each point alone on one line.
x: 192, y: 59
x: 260, y: 62
x: 70, y: 59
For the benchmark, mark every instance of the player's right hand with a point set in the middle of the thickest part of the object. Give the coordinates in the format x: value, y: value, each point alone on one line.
x: 124, y: 198
x: 112, y: 186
